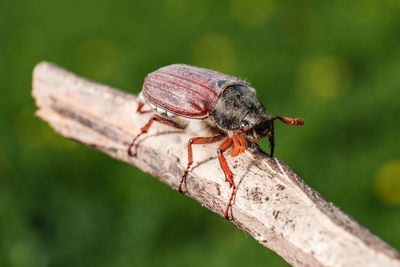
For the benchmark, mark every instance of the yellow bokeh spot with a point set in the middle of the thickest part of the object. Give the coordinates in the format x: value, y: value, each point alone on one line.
x: 252, y: 12
x: 324, y: 77
x: 214, y: 51
x: 97, y: 59
x: 387, y: 183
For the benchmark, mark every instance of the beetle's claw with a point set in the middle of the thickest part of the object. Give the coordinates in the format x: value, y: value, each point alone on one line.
x: 130, y: 151
x: 180, y: 188
x: 183, y: 180
x: 227, y: 213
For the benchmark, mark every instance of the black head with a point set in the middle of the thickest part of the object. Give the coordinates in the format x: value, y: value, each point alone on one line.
x: 238, y: 108
x: 262, y: 129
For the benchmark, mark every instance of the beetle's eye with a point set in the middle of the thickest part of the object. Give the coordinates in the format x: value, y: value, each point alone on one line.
x: 245, y: 123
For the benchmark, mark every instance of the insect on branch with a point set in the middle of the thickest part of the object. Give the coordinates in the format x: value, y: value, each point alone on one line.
x: 272, y: 203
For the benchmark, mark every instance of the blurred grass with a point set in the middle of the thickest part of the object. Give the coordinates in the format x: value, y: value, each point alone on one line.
x: 336, y: 64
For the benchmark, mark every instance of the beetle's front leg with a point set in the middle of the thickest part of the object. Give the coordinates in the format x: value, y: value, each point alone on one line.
x: 227, y: 171
x: 196, y: 140
x: 147, y: 126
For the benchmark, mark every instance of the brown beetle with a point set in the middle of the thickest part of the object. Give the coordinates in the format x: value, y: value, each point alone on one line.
x: 210, y: 105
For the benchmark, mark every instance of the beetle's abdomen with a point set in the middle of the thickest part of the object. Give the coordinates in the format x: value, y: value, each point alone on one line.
x: 184, y: 90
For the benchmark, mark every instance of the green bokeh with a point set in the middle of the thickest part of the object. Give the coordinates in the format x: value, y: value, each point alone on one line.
x: 62, y: 204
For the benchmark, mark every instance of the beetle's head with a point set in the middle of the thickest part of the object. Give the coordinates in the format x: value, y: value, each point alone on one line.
x: 261, y: 129
x: 238, y: 108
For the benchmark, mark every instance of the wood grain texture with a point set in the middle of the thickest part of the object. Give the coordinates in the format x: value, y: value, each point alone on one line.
x: 272, y: 204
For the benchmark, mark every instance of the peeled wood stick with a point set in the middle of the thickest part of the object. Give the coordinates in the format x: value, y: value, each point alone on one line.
x: 272, y: 203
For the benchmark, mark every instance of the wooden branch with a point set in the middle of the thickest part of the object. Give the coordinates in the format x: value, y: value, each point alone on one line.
x: 272, y: 204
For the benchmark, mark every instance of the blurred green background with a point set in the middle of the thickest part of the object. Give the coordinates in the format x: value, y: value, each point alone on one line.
x: 334, y: 63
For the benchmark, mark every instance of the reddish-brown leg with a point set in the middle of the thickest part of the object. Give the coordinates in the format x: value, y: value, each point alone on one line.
x: 236, y: 147
x: 147, y: 126
x: 243, y: 143
x: 227, y: 171
x: 139, y: 108
x: 196, y: 140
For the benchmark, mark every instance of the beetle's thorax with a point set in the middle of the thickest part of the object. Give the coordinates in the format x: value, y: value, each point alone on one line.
x: 238, y: 108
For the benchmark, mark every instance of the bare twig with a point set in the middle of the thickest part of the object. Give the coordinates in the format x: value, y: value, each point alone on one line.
x: 272, y: 204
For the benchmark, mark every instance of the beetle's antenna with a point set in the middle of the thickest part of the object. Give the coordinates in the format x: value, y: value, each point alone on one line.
x: 290, y: 121
x: 271, y: 139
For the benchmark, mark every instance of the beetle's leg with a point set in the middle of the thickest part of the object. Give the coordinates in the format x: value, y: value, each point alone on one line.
x: 227, y: 171
x: 254, y: 143
x: 239, y: 145
x: 166, y: 121
x: 143, y: 130
x: 243, y: 144
x: 140, y: 106
x: 271, y: 139
x: 196, y: 140
x: 236, y: 146
x: 222, y: 161
x: 147, y: 126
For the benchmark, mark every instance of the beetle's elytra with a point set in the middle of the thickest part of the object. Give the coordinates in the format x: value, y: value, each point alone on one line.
x: 211, y: 106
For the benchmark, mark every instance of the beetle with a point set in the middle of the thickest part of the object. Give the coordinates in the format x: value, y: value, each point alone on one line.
x: 211, y: 106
